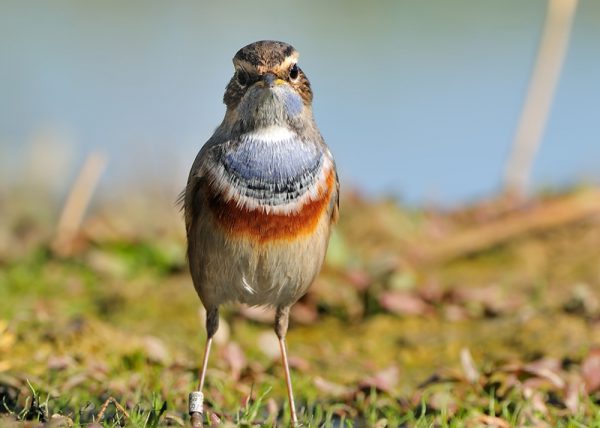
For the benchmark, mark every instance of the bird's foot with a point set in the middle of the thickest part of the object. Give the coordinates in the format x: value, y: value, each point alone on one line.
x: 196, y: 408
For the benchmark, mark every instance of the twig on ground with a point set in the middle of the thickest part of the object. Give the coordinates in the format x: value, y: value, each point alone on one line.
x: 117, y: 405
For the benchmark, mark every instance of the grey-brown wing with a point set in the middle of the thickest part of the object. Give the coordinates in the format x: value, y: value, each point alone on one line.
x: 190, y: 199
x: 192, y: 202
x: 335, y: 212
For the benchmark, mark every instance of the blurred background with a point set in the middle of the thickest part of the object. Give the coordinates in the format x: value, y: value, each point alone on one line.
x: 462, y: 282
x: 402, y: 89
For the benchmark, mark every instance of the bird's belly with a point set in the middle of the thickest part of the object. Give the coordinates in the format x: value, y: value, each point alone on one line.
x: 255, y: 272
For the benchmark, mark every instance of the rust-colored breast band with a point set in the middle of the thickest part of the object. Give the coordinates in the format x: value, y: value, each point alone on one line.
x: 257, y: 224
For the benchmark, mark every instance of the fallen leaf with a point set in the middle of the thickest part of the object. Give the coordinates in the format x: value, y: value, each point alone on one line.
x: 299, y: 363
x: 443, y: 400
x: 303, y: 313
x: 272, y: 408
x: 453, y: 312
x: 590, y: 371
x: 60, y: 362
x: 546, y: 368
x: 73, y: 381
x: 268, y: 344
x: 359, y: 279
x: 156, y: 351
x: 492, y: 298
x: 234, y: 356
x: 214, y: 419
x: 487, y: 421
x: 60, y: 421
x: 468, y: 365
x: 7, y: 338
x: 173, y: 419
x: 330, y: 388
x: 574, y: 391
x: 403, y: 303
x: 385, y: 380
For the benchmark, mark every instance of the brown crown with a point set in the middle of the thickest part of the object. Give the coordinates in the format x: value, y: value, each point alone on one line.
x: 265, y: 54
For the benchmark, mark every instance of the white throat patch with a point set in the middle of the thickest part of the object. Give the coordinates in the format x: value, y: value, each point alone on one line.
x: 270, y: 134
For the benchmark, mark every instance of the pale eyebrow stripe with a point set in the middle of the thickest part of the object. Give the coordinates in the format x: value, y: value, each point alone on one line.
x: 286, y: 63
x: 292, y: 59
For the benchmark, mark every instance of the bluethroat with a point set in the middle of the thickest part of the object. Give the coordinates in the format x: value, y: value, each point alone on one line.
x: 261, y: 197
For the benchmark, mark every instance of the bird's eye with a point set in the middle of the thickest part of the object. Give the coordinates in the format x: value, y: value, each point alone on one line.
x: 294, y: 72
x: 242, y: 77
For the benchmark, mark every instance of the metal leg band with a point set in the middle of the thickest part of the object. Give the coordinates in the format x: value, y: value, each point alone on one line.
x: 196, y: 402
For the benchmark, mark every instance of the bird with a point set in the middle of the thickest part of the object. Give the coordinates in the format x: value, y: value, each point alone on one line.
x: 261, y: 198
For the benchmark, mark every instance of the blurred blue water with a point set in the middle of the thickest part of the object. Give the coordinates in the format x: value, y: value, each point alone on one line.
x: 416, y: 98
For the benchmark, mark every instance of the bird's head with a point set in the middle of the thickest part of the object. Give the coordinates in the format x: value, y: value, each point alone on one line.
x: 268, y: 87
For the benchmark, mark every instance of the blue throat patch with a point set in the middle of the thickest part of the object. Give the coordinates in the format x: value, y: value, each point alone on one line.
x: 266, y: 170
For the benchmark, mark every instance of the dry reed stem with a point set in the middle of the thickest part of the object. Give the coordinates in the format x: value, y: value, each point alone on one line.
x: 538, y: 102
x: 543, y: 217
x: 77, y: 202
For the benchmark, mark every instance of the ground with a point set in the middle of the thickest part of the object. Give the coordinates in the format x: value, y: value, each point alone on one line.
x: 487, y: 315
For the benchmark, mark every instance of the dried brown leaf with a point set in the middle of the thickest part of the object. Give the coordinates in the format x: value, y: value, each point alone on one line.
x: 487, y: 421
x: 156, y: 351
x: 60, y: 362
x: 403, y: 303
x: 385, y: 380
x: 268, y: 344
x: 331, y: 388
x: 590, y: 371
x: 546, y: 368
x: 60, y: 421
x: 74, y: 381
x: 299, y: 363
x: 359, y: 279
x: 468, y: 366
x: 574, y: 391
x: 233, y: 354
x: 303, y: 313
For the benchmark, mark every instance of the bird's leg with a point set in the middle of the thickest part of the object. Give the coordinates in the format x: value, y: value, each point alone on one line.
x: 281, y: 325
x: 212, y: 324
x: 196, y: 399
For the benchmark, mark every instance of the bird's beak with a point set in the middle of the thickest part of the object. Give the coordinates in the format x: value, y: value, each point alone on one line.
x: 269, y: 80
